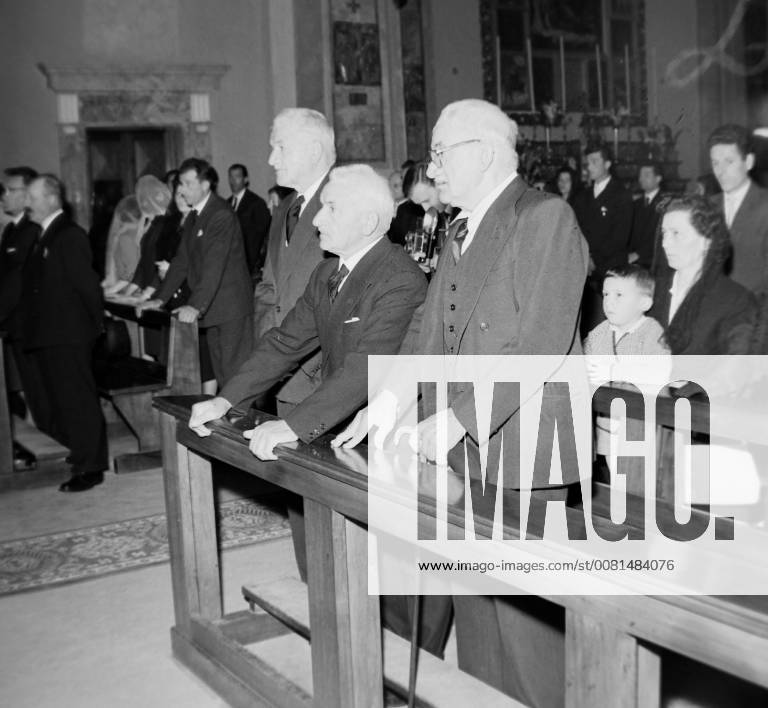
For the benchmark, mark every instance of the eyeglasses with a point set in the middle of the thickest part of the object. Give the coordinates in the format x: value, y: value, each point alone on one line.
x: 436, y: 156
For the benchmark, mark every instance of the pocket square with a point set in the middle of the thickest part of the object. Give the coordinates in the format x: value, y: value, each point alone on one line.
x: 200, y: 233
x: 10, y: 250
x: 351, y: 320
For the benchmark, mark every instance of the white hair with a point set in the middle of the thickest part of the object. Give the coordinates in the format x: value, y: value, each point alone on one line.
x: 372, y: 191
x: 481, y: 119
x: 312, y: 122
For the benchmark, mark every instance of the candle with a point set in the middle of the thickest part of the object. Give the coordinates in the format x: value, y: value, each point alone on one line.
x: 654, y: 88
x: 530, y: 74
x: 626, y: 78
x: 498, y: 70
x: 599, y: 78
x: 562, y: 70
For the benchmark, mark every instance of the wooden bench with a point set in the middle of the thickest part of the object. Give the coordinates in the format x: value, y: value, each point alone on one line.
x: 613, y: 644
x: 131, y: 382
x: 48, y: 453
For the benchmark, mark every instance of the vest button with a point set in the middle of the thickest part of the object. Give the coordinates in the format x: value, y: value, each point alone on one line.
x: 451, y: 328
x: 453, y: 286
x: 453, y: 307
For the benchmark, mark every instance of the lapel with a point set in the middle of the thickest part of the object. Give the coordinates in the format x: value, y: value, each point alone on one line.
x: 357, y: 282
x: 742, y: 216
x: 48, y: 237
x: 493, y: 232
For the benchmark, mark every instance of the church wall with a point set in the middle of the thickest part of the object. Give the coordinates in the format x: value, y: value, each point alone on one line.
x: 137, y: 33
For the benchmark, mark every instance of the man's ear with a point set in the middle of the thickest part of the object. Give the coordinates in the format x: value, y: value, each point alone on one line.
x: 647, y: 303
x: 486, y: 155
x: 750, y: 160
x: 370, y: 223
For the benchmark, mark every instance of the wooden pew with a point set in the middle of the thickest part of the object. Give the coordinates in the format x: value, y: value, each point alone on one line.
x: 130, y: 383
x: 612, y: 643
x: 48, y: 453
x: 6, y: 432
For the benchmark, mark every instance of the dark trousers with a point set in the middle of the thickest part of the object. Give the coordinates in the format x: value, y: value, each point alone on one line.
x: 515, y: 643
x: 229, y: 345
x: 31, y: 382
x: 76, y: 417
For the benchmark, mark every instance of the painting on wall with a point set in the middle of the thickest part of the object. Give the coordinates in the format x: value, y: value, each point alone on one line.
x: 357, y: 91
x: 356, y: 53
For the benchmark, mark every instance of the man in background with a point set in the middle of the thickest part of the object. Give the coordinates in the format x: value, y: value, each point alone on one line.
x: 645, y: 216
x: 62, y: 312
x: 302, y: 154
x: 743, y: 203
x: 254, y: 218
x: 211, y: 259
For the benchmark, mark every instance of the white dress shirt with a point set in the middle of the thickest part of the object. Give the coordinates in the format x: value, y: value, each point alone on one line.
x: 49, y: 220
x: 475, y: 216
x: 354, y: 259
x: 599, y: 187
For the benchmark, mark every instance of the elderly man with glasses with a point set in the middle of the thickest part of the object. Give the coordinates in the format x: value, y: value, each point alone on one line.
x: 509, y: 282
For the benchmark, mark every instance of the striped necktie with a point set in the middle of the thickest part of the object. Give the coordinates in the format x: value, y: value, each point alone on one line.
x: 460, y: 230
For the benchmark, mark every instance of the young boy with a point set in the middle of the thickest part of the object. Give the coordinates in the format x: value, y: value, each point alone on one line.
x: 627, y: 296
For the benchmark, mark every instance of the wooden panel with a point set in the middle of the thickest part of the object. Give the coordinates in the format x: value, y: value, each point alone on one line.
x: 600, y: 664
x: 648, y: 677
x: 6, y: 437
x: 191, y: 530
x: 439, y: 683
x: 44, y: 448
x: 344, y: 620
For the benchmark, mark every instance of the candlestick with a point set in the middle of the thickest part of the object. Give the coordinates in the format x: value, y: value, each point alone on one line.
x: 562, y: 71
x: 654, y: 88
x: 498, y: 71
x: 529, y: 52
x: 626, y: 78
x: 599, y: 78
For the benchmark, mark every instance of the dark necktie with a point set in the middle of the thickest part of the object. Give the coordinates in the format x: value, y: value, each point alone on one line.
x: 234, y: 203
x: 459, y: 230
x: 335, y: 281
x: 189, y: 222
x: 293, y: 217
x: 647, y: 201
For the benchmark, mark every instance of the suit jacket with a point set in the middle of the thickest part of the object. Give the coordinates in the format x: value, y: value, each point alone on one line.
x: 749, y: 239
x: 606, y: 223
x: 725, y: 321
x: 16, y: 244
x: 516, y: 290
x: 61, y: 296
x: 254, y: 218
x: 645, y: 220
x: 369, y: 316
x: 211, y: 258
x: 286, y: 272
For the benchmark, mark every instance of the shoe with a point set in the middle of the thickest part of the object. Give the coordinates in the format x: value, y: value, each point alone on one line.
x: 82, y: 482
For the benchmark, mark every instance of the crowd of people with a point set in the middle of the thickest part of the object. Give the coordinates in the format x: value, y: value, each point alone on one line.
x: 293, y: 301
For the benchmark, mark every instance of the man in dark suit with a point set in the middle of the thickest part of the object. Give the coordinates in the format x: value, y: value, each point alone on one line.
x: 645, y: 216
x: 211, y: 258
x: 61, y: 314
x: 508, y: 281
x: 253, y: 215
x: 604, y: 213
x: 302, y: 153
x: 18, y: 238
x: 355, y: 305
x: 744, y: 204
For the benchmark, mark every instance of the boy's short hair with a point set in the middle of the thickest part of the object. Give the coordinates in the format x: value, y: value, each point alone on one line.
x: 732, y: 134
x: 641, y: 277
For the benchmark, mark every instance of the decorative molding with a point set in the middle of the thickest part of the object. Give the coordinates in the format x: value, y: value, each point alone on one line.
x: 175, y: 77
x: 68, y: 109
x: 199, y: 108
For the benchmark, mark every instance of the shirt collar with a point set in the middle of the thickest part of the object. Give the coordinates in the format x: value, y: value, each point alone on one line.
x: 17, y: 219
x: 310, y: 192
x: 50, y: 219
x: 239, y: 195
x: 621, y: 331
x: 475, y: 216
x: 201, y: 204
x: 598, y: 187
x: 650, y: 196
x: 355, y: 258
